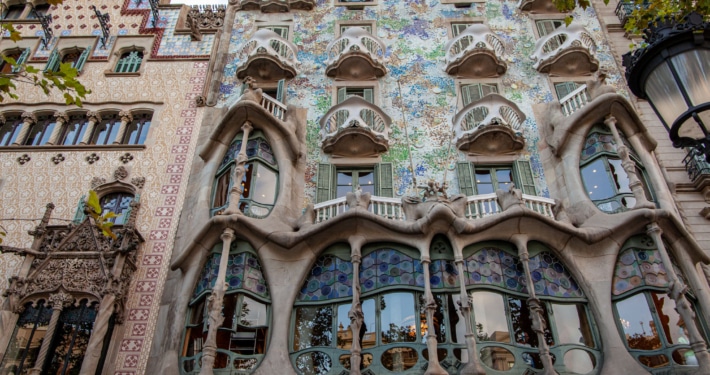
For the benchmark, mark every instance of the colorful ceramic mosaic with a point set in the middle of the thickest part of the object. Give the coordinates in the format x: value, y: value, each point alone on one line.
x: 243, y: 272
x: 255, y: 147
x: 181, y: 45
x: 639, y: 267
x: 330, y: 278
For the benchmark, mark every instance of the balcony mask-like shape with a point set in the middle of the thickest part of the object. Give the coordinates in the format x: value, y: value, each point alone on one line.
x: 355, y: 128
x: 266, y: 6
x: 475, y: 53
x: 537, y: 6
x: 267, y: 56
x: 356, y: 56
x: 492, y: 125
x: 567, y: 51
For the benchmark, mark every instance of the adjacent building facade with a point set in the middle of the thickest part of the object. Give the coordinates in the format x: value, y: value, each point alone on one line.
x: 368, y: 187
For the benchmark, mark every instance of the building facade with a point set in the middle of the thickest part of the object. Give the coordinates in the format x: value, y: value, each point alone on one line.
x: 369, y: 187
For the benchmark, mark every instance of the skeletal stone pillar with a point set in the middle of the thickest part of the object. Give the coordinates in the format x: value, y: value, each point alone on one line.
x: 94, y: 119
x: 473, y: 366
x: 629, y: 166
x: 58, y: 302
x: 28, y: 119
x: 355, y: 314
x: 215, y: 303
x: 238, y: 174
x: 61, y: 120
x: 92, y: 357
x: 126, y: 119
x: 433, y: 367
x: 677, y: 292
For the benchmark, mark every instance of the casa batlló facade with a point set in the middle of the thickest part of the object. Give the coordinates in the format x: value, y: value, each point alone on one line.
x: 371, y: 187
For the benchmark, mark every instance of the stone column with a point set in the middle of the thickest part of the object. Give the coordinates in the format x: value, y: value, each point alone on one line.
x: 677, y: 292
x: 433, y: 367
x: 58, y: 302
x: 629, y: 166
x: 62, y: 119
x: 236, y: 192
x: 473, y: 366
x: 215, y: 303
x: 536, y: 313
x: 94, y: 119
x: 355, y: 314
x: 126, y: 119
x: 28, y: 119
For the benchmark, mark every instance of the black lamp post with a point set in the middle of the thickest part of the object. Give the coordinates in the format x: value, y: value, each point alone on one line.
x: 673, y: 73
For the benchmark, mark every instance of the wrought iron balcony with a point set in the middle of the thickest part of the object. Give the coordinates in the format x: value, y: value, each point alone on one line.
x: 490, y: 125
x: 696, y: 166
x: 355, y: 128
x: 356, y: 55
x: 575, y: 100
x: 566, y: 51
x: 267, y: 56
x: 475, y: 53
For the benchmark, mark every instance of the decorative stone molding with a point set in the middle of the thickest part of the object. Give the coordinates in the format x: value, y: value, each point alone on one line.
x: 567, y: 51
x: 58, y: 158
x: 537, y: 6
x: 93, y: 158
x: 475, y: 53
x: 492, y: 125
x: 355, y: 128
x: 126, y: 158
x: 29, y: 117
x: 268, y: 56
x: 24, y: 159
x: 120, y: 173
x: 357, y: 55
x: 267, y: 6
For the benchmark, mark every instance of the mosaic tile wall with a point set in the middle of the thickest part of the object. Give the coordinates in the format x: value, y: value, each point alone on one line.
x: 415, y: 33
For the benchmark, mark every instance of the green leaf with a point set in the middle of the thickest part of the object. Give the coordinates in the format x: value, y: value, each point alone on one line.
x: 31, y: 69
x: 568, y: 20
x: 93, y: 202
x: 110, y: 215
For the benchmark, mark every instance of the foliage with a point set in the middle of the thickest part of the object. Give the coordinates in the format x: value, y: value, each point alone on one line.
x: 102, y: 220
x: 3, y: 233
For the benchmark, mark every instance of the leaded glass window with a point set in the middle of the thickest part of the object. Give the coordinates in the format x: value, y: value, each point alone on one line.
x: 118, y: 203
x: 21, y: 353
x: 130, y: 62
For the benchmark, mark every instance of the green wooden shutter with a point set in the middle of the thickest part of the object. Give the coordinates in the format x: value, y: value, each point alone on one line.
x: 21, y: 60
x: 280, y: 90
x: 488, y: 89
x: 79, y: 64
x: 79, y: 215
x: 127, y: 212
x: 341, y: 117
x: 369, y: 95
x: 465, y: 175
x: 525, y: 182
x: 324, y: 182
x: 342, y: 94
x: 564, y: 88
x: 52, y: 62
x: 384, y: 184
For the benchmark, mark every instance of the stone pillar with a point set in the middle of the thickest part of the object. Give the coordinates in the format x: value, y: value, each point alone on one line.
x: 215, y: 303
x: 629, y: 166
x: 28, y: 119
x: 677, y: 292
x: 62, y: 119
x: 536, y: 313
x: 473, y: 366
x: 236, y: 192
x: 355, y: 314
x: 92, y: 357
x: 94, y: 119
x: 433, y: 367
x: 58, y: 302
x: 126, y: 119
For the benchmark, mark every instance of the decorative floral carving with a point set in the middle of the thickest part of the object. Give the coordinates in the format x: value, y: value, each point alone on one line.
x: 93, y: 158
x: 96, y: 182
x: 206, y: 17
x: 139, y: 182
x: 120, y: 173
x: 23, y: 159
x: 60, y: 300
x: 125, y: 158
x: 58, y: 158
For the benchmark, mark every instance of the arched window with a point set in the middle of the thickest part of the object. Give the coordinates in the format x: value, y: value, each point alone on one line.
x: 137, y: 130
x: 21, y: 353
x: 41, y: 131
x: 260, y: 181
x: 76, y: 57
x: 74, y: 130
x: 130, y: 62
x: 649, y: 324
x: 603, y: 175
x: 19, y: 55
x: 242, y: 338
x: 118, y: 203
x: 10, y: 129
x: 105, y: 132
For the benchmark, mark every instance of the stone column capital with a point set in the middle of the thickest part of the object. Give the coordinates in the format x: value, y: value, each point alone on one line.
x: 125, y: 116
x: 60, y: 300
x: 247, y: 128
x: 610, y: 121
x: 653, y: 229
x: 29, y: 117
x: 93, y: 116
x: 61, y: 117
x: 227, y: 235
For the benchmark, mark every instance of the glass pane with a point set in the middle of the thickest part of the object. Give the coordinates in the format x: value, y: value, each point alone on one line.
x: 637, y: 323
x: 397, y: 318
x: 665, y: 94
x: 252, y: 314
x: 497, y: 358
x: 221, y: 190
x: 572, y: 324
x: 438, y: 324
x: 366, y: 179
x: 597, y: 181
x: 579, y: 361
x: 399, y: 359
x: 658, y: 360
x: 9, y: 132
x: 246, y: 181
x: 491, y: 323
x: 522, y: 323
x: 313, y: 327
x: 456, y: 320
x: 504, y: 178
x: 693, y: 69
x: 75, y: 133
x: 73, y: 330
x: 314, y: 363
x: 369, y: 339
x: 685, y: 357
x: 265, y: 185
x: 621, y: 179
x: 484, y: 181
x: 345, y: 334
x: 671, y: 323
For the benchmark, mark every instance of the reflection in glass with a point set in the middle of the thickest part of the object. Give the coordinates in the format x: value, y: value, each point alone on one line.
x: 439, y: 324
x: 29, y: 332
x: 369, y: 338
x: 345, y: 334
x: 497, y: 358
x: 596, y: 180
x: 397, y: 318
x: 671, y: 323
x: 313, y: 327
x: 533, y: 360
x: 253, y: 313
x: 522, y: 323
x: 314, y: 363
x: 490, y: 319
x: 658, y: 360
x: 685, y: 357
x: 579, y: 361
x: 636, y: 320
x: 484, y: 182
x: 365, y: 361
x: 265, y: 186
x: 572, y: 324
x: 399, y: 359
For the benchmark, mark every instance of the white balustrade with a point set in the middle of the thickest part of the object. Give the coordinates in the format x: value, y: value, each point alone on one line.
x: 475, y: 37
x: 265, y: 41
x: 274, y: 107
x: 561, y: 39
x: 574, y: 100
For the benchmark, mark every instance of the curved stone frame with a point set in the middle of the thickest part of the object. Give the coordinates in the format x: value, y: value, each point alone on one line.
x: 537, y: 6
x: 574, y: 56
x: 258, y: 58
x: 355, y: 61
x: 499, y: 132
x: 481, y: 58
x: 346, y: 132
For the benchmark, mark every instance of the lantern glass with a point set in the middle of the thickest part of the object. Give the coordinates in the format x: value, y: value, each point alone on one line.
x: 693, y: 69
x: 663, y: 91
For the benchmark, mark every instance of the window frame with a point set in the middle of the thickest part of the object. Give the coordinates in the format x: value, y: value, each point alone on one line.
x: 327, y: 179
x: 340, y: 25
x: 16, y: 122
x: 126, y: 60
x: 74, y: 119
x: 461, y: 83
x: 521, y: 170
x: 39, y: 137
x: 141, y: 124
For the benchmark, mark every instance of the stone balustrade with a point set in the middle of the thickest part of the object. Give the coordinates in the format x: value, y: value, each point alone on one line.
x: 574, y: 100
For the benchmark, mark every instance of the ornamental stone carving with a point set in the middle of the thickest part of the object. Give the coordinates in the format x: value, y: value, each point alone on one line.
x: 29, y: 117
x: 120, y: 173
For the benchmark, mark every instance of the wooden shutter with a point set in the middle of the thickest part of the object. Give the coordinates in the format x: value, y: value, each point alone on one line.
x: 280, y: 90
x: 467, y: 186
x: 545, y: 27
x: 52, y: 62
x: 79, y: 64
x: 525, y: 180
x: 127, y: 212
x: 324, y: 182
x: 342, y: 94
x: 564, y: 88
x: 369, y: 95
x: 79, y: 215
x: 21, y: 60
x: 384, y: 185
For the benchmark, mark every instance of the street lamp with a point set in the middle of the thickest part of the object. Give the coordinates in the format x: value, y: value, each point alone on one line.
x: 673, y: 73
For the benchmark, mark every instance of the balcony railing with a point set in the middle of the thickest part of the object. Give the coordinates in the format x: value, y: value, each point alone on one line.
x: 477, y: 207
x: 274, y: 107
x: 624, y: 10
x: 356, y: 41
x: 475, y: 39
x: 696, y: 166
x: 575, y: 100
x: 355, y: 112
x: 492, y: 109
x: 269, y: 44
x: 560, y: 40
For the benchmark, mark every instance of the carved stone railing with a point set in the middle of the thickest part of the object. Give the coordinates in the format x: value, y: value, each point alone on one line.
x: 561, y: 47
x: 267, y: 6
x: 364, y: 52
x: 491, y: 114
x: 367, y: 128
x: 574, y: 100
x: 477, y: 207
x: 464, y: 53
x: 274, y: 107
x: 267, y: 55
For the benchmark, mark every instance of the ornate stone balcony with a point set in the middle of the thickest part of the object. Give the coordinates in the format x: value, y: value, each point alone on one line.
x: 357, y: 55
x: 475, y: 53
x: 267, y: 56
x: 574, y: 100
x: 266, y: 6
x: 567, y: 51
x: 537, y: 6
x: 489, y: 126
x: 355, y: 128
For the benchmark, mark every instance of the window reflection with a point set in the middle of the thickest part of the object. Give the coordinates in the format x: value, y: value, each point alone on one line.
x: 637, y: 322
x: 572, y: 324
x: 313, y: 327
x: 397, y: 318
x: 490, y: 316
x: 522, y: 323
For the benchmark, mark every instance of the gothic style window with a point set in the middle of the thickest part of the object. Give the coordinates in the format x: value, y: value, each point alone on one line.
x: 76, y: 57
x: 71, y: 339
x: 13, y: 12
x: 603, y: 175
x: 20, y: 56
x: 40, y: 131
x: 260, y: 181
x: 130, y: 62
x: 29, y: 333
x: 10, y: 130
x: 105, y: 132
x: 74, y: 130
x: 242, y: 338
x: 137, y: 130
x: 118, y: 203
x: 648, y: 322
